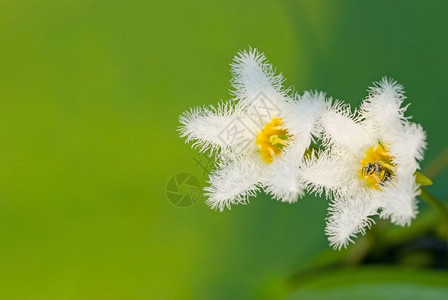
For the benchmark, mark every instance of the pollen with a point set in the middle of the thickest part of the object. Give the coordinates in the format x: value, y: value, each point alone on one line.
x: 377, y: 167
x: 272, y: 139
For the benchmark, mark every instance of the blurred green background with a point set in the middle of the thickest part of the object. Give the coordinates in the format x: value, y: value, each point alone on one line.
x: 90, y: 94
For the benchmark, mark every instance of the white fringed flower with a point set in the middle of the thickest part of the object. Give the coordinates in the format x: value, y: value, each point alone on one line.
x: 368, y: 164
x: 260, y: 137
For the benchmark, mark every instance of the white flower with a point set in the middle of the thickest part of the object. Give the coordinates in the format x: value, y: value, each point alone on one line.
x: 259, y: 137
x: 368, y: 163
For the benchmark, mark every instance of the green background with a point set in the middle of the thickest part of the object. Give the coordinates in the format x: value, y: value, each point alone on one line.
x: 90, y: 94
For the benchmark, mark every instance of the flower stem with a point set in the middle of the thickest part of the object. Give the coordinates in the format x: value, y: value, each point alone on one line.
x: 438, y: 165
x: 434, y: 203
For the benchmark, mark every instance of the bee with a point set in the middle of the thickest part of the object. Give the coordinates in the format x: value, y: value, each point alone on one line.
x: 378, y: 170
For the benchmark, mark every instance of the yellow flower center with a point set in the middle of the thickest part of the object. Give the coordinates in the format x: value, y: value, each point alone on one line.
x: 271, y: 139
x: 377, y: 166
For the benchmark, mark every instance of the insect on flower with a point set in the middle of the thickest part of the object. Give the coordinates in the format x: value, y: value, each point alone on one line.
x: 262, y: 140
x: 367, y: 166
x: 377, y: 170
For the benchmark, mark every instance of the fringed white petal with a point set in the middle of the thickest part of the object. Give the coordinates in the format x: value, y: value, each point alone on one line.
x: 214, y: 128
x: 328, y: 173
x: 383, y: 108
x: 398, y: 200
x: 281, y: 177
x: 407, y: 146
x: 303, y: 113
x: 349, y: 216
x: 254, y: 76
x: 340, y: 129
x: 233, y: 182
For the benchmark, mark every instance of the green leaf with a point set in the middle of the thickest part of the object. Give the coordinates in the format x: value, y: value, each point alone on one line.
x: 421, y: 179
x: 378, y: 282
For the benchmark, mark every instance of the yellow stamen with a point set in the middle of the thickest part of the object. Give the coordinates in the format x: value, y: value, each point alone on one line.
x: 377, y: 166
x: 271, y: 139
